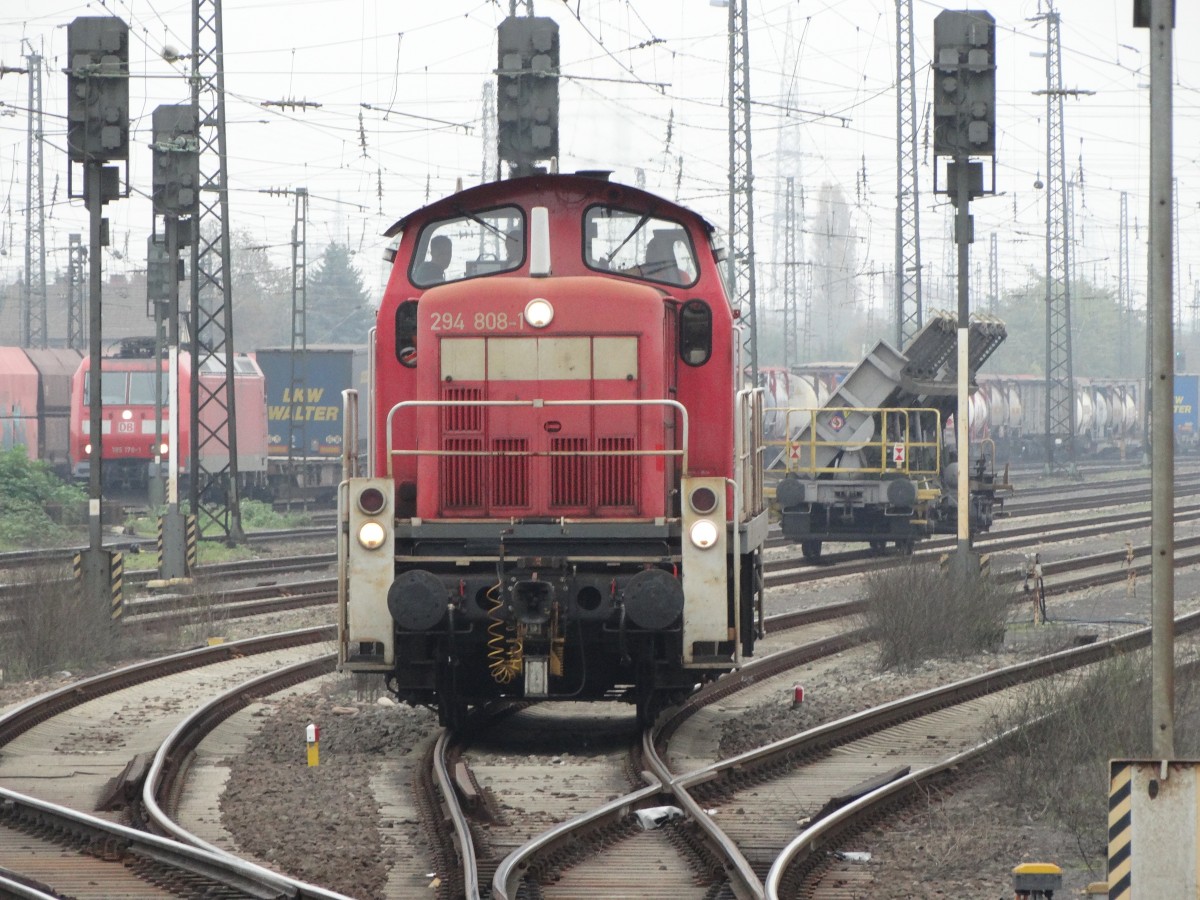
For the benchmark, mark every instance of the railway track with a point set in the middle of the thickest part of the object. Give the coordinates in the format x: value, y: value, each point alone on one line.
x: 544, y: 859
x: 825, y: 783
x: 56, y: 848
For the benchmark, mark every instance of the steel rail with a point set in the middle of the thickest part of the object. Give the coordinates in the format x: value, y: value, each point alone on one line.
x: 122, y: 842
x: 164, y: 778
x: 26, y: 715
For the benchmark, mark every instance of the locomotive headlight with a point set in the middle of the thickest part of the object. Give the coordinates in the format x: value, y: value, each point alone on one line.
x: 370, y: 535
x: 87, y: 448
x: 164, y: 448
x: 126, y: 414
x: 703, y: 533
x: 538, y: 312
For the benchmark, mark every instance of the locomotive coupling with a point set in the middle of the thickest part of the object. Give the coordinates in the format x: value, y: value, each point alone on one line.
x: 532, y: 600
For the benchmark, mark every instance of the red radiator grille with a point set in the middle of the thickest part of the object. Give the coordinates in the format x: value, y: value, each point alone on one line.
x: 461, y: 477
x: 462, y: 418
x: 616, y: 481
x: 510, y: 474
x: 569, y: 474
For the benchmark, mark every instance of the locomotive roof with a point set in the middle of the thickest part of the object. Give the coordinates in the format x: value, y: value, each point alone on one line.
x: 495, y: 191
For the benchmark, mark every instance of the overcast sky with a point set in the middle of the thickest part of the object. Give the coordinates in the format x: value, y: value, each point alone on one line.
x: 400, y: 84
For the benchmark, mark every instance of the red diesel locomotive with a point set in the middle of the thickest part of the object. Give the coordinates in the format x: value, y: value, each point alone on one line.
x: 563, y: 496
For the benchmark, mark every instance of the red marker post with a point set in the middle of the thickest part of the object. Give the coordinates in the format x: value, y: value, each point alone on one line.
x: 797, y: 695
x: 312, y: 735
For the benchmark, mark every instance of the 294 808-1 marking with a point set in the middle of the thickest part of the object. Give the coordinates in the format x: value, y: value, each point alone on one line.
x: 480, y: 321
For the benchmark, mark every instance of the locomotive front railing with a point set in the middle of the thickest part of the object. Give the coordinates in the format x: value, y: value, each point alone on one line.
x: 681, y: 452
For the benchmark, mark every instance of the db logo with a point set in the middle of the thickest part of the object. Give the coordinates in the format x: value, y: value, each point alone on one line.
x: 125, y: 428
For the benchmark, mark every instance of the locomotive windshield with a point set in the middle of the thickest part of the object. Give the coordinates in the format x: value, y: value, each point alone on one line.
x: 121, y: 388
x: 470, y: 244
x: 638, y: 245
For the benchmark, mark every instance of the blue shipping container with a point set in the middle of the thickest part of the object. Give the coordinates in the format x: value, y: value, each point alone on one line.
x: 1187, y: 406
x: 304, y: 404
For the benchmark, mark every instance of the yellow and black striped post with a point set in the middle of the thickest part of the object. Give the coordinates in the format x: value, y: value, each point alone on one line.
x: 192, y: 535
x: 1120, y: 830
x: 103, y: 574
x: 117, y: 583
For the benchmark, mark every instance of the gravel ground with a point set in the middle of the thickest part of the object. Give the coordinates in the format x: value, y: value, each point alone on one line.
x: 323, y: 827
x: 320, y: 823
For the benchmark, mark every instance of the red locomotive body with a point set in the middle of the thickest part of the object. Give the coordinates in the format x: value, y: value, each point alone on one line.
x: 565, y: 495
x: 129, y: 430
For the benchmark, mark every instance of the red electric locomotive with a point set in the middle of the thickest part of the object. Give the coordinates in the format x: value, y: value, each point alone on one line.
x: 564, y: 497
x: 129, y: 429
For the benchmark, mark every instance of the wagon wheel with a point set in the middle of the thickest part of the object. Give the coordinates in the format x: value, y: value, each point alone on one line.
x: 905, y: 546
x: 811, y: 550
x: 877, y: 547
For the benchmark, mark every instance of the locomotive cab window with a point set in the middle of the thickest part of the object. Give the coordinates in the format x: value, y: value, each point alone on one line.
x: 638, y: 245
x: 469, y: 245
x: 695, y: 332
x: 114, y: 388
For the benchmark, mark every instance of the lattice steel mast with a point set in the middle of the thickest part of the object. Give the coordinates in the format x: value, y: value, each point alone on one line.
x: 1124, y: 301
x: 741, y: 262
x: 76, y: 292
x: 791, y: 336
x: 214, y: 464
x: 993, y: 275
x: 33, y: 297
x: 909, y: 314
x: 297, y: 431
x: 1060, y: 381
x: 490, y: 170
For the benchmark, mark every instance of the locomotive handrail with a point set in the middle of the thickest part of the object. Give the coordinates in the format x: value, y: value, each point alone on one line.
x: 750, y: 451
x: 537, y: 403
x: 349, y: 434
x: 805, y: 446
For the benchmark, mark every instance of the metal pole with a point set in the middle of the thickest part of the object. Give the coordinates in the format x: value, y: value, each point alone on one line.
x: 174, y: 525
x: 157, y: 488
x: 96, y: 563
x: 94, y: 191
x: 1162, y: 463
x: 962, y: 237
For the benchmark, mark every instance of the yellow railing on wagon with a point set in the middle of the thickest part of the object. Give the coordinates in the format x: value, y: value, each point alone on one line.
x: 841, y: 440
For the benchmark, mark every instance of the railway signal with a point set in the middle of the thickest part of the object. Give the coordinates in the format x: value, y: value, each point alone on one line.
x: 964, y: 114
x: 176, y: 180
x: 97, y: 132
x: 98, y: 89
x: 527, y: 95
x: 964, y: 66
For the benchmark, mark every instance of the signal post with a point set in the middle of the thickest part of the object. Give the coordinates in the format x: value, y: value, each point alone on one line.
x: 175, y: 183
x: 964, y: 126
x: 97, y: 132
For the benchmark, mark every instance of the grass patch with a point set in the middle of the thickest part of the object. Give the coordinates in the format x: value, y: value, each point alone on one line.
x: 259, y: 516
x: 1070, y: 727
x: 37, y: 508
x: 917, y: 612
x: 54, y: 627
